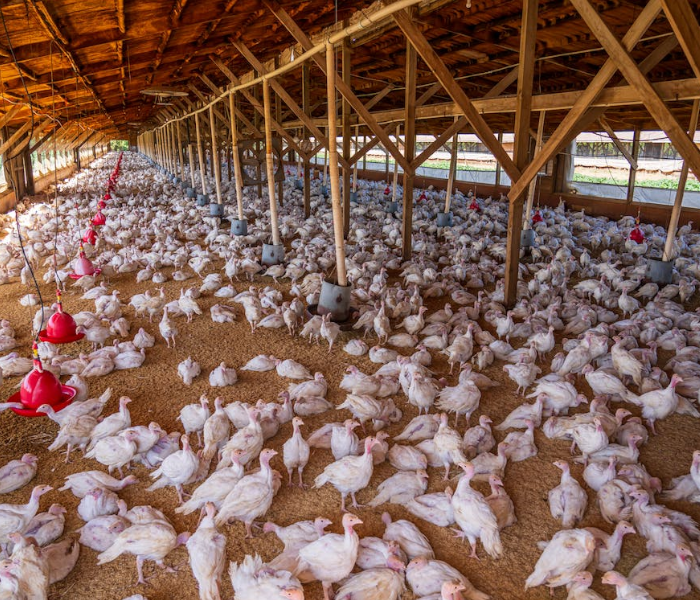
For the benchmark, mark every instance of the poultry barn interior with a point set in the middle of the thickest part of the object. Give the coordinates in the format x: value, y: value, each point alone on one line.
x: 258, y: 342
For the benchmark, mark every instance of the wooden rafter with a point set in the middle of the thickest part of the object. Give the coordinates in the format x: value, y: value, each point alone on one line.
x: 440, y: 141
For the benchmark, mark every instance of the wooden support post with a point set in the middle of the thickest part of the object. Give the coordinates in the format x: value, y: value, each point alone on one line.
x: 633, y: 168
x: 200, y: 155
x: 335, y: 175
x: 325, y: 162
x: 364, y: 157
x: 181, y: 166
x: 306, y: 106
x: 396, y: 166
x: 270, y: 163
x: 453, y: 170
x: 409, y: 148
x: 345, y: 107
x: 236, y: 157
x: 533, y: 183
x: 278, y: 118
x: 215, y: 155
x: 354, y: 166
x: 526, y: 68
x: 678, y: 202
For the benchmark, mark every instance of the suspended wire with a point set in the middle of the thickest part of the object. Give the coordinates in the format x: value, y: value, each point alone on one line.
x: 13, y: 183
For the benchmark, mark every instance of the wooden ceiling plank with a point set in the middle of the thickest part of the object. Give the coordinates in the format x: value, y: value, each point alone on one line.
x: 502, y: 85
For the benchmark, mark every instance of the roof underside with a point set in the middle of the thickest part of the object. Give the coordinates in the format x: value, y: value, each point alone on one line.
x: 88, y: 60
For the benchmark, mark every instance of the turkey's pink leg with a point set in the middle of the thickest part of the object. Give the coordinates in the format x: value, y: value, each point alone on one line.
x: 473, y: 554
x: 302, y: 485
x: 139, y: 569
x: 342, y: 503
x: 328, y: 593
x: 289, y: 482
x: 354, y: 501
x: 447, y: 473
x: 248, y: 531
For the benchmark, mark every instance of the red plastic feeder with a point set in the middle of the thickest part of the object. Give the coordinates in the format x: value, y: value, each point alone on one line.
x: 636, y: 235
x: 475, y: 206
x: 41, y: 387
x: 90, y: 236
x: 422, y: 197
x: 387, y: 190
x: 83, y: 266
x: 101, y: 204
x: 537, y: 217
x: 107, y: 196
x: 99, y: 219
x: 61, y: 327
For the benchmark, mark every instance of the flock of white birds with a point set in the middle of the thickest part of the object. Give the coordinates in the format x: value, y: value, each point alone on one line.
x: 583, y: 287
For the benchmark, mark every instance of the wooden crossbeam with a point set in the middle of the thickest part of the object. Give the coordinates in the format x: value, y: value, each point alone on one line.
x: 273, y: 122
x: 428, y: 94
x: 443, y: 75
x: 15, y: 137
x: 618, y: 144
x: 37, y: 131
x: 371, y: 144
x: 281, y: 92
x: 9, y: 115
x: 379, y: 96
x: 653, y: 102
x: 503, y: 84
x: 296, y: 32
x: 440, y: 141
x: 584, y: 100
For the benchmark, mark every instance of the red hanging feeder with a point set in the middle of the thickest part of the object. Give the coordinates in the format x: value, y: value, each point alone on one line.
x: 90, y: 236
x: 99, y: 219
x: 475, y: 206
x: 83, y: 266
x: 387, y: 190
x: 101, y: 204
x: 537, y: 217
x: 422, y: 197
x: 41, y: 387
x: 107, y: 196
x: 61, y: 327
x: 637, y: 235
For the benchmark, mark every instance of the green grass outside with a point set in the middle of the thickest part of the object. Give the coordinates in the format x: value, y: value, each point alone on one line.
x: 692, y: 185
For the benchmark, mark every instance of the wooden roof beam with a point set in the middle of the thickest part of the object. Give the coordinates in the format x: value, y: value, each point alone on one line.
x: 445, y: 78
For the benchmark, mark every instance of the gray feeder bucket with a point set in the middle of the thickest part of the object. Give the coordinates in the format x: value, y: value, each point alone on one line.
x: 392, y: 207
x: 298, y: 184
x: 190, y: 193
x: 174, y: 179
x: 216, y: 210
x: 353, y: 196
x: 324, y: 191
x: 444, y: 219
x: 660, y: 271
x: 527, y: 238
x: 202, y: 199
x: 184, y: 185
x: 177, y: 180
x: 334, y: 299
x: 272, y: 254
x: 239, y: 227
